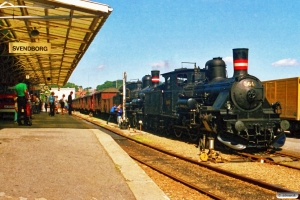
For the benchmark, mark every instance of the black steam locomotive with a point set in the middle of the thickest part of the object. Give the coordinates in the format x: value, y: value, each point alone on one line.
x: 204, y: 103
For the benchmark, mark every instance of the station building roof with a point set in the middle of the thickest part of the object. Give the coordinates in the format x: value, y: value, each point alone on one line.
x: 45, y: 39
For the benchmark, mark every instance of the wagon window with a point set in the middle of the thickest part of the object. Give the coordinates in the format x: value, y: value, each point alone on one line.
x: 168, y: 82
x: 181, y: 79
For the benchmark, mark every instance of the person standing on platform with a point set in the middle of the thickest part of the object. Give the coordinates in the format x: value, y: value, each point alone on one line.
x: 56, y: 102
x: 119, y: 115
x: 46, y: 103
x: 16, y: 110
x: 37, y: 104
x: 51, y: 101
x: 112, y: 113
x: 22, y: 93
x: 70, y: 103
x: 62, y: 104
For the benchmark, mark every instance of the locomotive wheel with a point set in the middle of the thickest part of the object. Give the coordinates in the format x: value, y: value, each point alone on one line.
x: 161, y: 130
x: 168, y: 128
x: 178, y: 133
x: 168, y: 131
x: 194, y: 136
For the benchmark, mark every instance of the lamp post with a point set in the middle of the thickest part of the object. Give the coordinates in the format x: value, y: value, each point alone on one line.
x: 124, y: 123
x: 124, y: 96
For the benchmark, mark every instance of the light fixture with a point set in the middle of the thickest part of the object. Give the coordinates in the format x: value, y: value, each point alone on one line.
x: 34, y: 33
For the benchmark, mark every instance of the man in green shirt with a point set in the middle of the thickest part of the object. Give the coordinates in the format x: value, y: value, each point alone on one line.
x: 21, y: 91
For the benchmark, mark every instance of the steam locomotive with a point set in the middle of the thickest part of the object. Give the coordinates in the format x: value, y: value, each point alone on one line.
x: 204, y: 103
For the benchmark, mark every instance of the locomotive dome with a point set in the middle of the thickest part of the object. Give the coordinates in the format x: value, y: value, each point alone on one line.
x: 216, y: 69
x: 146, y: 80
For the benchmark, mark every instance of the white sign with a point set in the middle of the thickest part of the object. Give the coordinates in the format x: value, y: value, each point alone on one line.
x: 32, y: 48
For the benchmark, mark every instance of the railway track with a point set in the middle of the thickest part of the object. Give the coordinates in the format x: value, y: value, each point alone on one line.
x: 275, y: 158
x: 202, y: 177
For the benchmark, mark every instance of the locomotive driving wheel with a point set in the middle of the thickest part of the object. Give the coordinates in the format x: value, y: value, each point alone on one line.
x: 194, y: 134
x: 168, y: 129
x: 178, y: 133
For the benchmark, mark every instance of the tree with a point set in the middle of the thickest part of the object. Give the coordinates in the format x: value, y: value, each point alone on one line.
x: 71, y: 85
x: 109, y: 84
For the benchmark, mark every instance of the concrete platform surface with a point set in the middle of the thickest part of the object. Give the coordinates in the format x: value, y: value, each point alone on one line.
x: 68, y: 163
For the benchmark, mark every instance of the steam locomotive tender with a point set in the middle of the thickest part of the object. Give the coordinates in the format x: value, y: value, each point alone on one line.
x: 205, y: 103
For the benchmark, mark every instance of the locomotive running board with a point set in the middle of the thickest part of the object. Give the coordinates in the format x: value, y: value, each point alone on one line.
x: 230, y: 143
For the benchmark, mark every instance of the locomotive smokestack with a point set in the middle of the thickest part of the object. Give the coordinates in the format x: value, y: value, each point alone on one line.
x: 240, y: 61
x: 155, y: 77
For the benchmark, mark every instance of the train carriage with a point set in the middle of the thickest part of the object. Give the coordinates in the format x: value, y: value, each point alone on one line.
x: 76, y: 104
x: 107, y: 99
x: 97, y: 102
x: 81, y: 103
x: 90, y: 100
x: 85, y: 103
x: 284, y: 94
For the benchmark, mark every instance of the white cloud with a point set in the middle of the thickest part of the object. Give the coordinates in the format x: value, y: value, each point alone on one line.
x: 162, y: 64
x: 286, y: 62
x: 228, y: 60
x: 100, y: 67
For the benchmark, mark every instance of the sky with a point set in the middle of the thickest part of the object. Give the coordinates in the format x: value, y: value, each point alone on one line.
x: 140, y: 36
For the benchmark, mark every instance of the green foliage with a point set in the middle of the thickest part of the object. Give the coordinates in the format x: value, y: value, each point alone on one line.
x: 71, y: 85
x: 44, y: 94
x: 109, y: 84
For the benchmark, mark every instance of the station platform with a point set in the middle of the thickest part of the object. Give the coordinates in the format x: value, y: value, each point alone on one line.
x: 66, y: 158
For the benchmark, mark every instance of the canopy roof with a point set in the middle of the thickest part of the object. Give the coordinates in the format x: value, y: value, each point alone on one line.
x: 69, y: 26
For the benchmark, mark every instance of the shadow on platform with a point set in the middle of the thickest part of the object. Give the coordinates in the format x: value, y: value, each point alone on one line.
x: 43, y: 120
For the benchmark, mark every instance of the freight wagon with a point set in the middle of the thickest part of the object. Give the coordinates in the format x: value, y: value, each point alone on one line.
x: 98, y: 102
x: 284, y: 94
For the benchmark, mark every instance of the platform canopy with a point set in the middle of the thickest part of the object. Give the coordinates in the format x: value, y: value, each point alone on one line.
x: 44, y: 40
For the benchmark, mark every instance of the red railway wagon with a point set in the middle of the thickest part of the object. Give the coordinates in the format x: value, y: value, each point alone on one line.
x: 76, y: 103
x: 106, y: 99
x: 98, y: 102
x: 85, y: 103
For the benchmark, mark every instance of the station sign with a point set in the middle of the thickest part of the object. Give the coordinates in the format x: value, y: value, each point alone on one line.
x: 30, y: 48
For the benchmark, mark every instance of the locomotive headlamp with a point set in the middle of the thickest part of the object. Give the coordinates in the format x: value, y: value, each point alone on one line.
x: 285, y: 125
x: 239, y: 126
x: 228, y: 105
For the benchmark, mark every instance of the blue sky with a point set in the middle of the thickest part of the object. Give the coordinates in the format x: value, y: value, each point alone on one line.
x: 140, y: 36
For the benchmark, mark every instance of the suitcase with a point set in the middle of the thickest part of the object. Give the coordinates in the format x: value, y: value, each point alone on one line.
x: 28, y: 113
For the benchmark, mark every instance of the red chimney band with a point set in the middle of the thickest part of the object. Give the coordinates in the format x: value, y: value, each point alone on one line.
x: 240, y: 64
x: 155, y: 79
